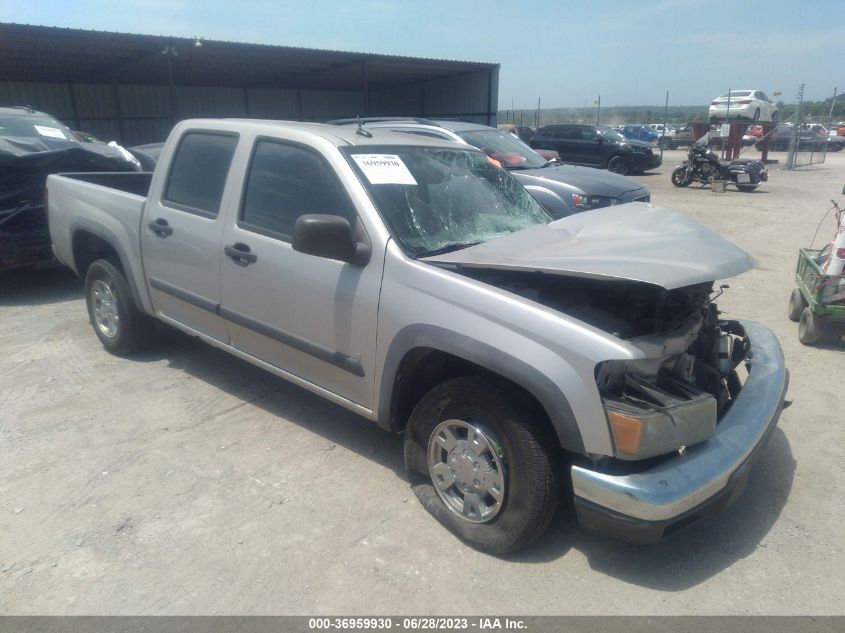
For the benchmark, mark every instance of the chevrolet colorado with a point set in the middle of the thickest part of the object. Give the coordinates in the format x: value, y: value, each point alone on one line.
x: 415, y: 282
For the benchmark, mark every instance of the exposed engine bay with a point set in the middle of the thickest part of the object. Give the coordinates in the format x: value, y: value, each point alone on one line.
x: 675, y: 395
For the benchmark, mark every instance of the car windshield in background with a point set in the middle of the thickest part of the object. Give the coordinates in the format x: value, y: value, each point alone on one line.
x: 505, y: 148
x: 610, y: 133
x: 40, y: 127
x: 435, y: 200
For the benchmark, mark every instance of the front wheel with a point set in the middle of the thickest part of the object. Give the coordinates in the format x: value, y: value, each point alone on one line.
x: 681, y: 177
x: 483, y: 462
x: 120, y: 326
x: 757, y: 115
x: 775, y: 117
x: 618, y: 165
x: 809, y: 327
x: 746, y: 188
x: 665, y: 143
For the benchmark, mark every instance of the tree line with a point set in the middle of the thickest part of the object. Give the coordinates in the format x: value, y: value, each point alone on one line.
x: 620, y: 115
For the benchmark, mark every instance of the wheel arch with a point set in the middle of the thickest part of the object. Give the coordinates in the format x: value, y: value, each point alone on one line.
x: 422, y: 356
x: 89, y: 244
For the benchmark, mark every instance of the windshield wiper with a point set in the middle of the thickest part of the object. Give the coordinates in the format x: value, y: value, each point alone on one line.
x: 447, y: 248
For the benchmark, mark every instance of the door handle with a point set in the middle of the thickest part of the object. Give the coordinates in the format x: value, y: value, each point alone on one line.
x: 240, y: 254
x: 160, y: 227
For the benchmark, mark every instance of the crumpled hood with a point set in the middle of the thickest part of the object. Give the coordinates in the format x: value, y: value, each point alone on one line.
x: 596, y: 182
x: 635, y: 241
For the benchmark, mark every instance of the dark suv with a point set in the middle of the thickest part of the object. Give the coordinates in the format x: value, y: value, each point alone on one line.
x: 597, y: 146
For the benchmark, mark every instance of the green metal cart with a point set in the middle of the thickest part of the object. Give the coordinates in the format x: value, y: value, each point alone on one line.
x: 817, y: 299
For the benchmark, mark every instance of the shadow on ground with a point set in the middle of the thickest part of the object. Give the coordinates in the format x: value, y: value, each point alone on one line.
x: 683, y: 560
x: 29, y: 287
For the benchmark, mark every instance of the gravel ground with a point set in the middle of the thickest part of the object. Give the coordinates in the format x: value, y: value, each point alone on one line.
x: 185, y: 481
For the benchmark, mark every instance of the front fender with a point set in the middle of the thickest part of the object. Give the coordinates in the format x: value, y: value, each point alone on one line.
x: 495, y: 360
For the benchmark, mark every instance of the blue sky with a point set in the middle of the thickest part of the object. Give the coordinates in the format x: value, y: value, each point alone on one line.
x: 564, y: 51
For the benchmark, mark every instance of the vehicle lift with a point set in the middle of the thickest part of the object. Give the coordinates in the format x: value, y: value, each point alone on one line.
x: 733, y: 142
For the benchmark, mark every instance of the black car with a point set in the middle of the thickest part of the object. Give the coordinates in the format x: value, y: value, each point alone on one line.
x: 808, y: 140
x: 597, y: 146
x: 32, y: 145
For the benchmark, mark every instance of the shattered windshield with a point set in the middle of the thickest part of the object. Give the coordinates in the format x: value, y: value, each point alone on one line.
x: 435, y: 200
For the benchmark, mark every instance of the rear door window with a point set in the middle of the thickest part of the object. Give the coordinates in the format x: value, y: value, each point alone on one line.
x: 287, y: 181
x: 198, y: 172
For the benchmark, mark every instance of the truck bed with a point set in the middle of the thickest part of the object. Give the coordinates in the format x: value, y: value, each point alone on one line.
x: 108, y: 206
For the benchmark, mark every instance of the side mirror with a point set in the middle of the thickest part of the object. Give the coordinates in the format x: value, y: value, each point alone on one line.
x: 330, y: 237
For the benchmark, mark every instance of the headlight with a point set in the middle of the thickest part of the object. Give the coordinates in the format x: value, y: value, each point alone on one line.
x: 647, y: 419
x: 584, y: 201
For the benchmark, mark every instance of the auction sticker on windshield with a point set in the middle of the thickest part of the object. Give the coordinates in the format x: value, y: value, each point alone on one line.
x: 384, y: 169
x: 52, y: 132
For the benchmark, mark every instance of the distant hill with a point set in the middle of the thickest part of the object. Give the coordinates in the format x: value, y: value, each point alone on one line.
x: 619, y: 115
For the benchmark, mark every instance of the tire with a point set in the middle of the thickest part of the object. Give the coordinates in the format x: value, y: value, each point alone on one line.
x: 809, y: 327
x: 680, y: 178
x: 746, y: 188
x: 756, y: 115
x: 528, y: 456
x: 797, y: 303
x: 117, y: 322
x: 665, y: 143
x: 775, y: 117
x: 618, y: 165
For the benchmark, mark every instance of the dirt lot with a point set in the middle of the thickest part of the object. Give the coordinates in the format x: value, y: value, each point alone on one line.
x: 187, y: 481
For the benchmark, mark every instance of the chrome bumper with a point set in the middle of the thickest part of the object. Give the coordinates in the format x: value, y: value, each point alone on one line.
x: 683, y: 484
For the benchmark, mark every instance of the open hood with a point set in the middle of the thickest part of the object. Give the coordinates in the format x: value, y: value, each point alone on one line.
x: 636, y: 241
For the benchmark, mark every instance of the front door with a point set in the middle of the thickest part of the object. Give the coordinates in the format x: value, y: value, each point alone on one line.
x: 312, y: 317
x: 181, y: 234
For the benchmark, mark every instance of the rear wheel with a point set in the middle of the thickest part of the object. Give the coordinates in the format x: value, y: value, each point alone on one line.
x: 757, y: 115
x: 483, y: 462
x: 775, y: 117
x: 810, y: 327
x: 797, y: 303
x: 618, y: 165
x: 665, y: 143
x: 120, y: 326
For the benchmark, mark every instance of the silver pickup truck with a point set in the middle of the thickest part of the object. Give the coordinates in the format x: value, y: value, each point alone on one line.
x: 413, y: 281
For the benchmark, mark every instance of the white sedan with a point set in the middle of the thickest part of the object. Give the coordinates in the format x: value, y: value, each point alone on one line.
x: 753, y: 105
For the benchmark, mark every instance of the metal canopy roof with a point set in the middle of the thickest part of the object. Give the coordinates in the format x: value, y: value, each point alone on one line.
x: 53, y: 54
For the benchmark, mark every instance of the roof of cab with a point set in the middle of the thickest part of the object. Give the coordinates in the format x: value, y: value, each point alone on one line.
x: 342, y: 135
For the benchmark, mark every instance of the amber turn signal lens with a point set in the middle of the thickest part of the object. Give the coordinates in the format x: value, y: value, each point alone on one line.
x: 627, y: 432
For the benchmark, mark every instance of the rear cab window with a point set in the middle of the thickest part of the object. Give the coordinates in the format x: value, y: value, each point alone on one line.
x: 198, y: 172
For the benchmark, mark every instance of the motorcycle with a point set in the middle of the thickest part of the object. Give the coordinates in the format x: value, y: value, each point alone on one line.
x: 704, y: 165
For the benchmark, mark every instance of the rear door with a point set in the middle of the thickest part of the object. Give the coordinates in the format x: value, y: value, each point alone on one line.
x: 182, y: 232
x: 312, y: 317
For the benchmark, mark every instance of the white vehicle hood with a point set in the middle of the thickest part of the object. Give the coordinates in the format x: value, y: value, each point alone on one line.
x: 635, y: 241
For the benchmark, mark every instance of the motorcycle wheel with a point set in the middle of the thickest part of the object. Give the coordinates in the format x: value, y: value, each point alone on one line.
x: 746, y: 188
x: 680, y: 177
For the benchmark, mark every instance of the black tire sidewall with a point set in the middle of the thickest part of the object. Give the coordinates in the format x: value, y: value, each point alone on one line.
x: 528, y: 452
x: 623, y: 160
x: 107, y: 272
x: 796, y: 305
x: 809, y: 328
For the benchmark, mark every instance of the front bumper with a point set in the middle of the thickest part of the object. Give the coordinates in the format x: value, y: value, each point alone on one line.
x: 642, y: 507
x: 642, y: 161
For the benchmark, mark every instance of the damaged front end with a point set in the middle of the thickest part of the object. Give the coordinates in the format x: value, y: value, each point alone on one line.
x: 674, y: 397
